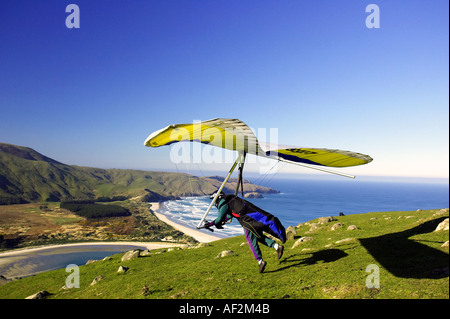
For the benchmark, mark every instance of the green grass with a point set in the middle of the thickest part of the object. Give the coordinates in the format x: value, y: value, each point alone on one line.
x: 402, y: 244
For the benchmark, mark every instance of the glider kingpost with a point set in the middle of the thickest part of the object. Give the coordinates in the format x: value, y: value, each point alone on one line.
x: 233, y: 134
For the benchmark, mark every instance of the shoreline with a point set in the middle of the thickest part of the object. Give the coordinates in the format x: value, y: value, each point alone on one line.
x: 197, y: 234
x: 147, y: 244
x: 21, y: 262
x: 24, y: 262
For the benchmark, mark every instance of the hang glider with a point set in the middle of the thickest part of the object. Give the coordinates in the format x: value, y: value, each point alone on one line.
x: 233, y: 134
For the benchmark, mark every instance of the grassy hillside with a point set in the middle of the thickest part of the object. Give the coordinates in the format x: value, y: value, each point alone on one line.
x: 333, y: 264
x: 28, y: 176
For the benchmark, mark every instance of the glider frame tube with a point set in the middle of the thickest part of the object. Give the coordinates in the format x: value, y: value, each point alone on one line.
x: 238, y: 160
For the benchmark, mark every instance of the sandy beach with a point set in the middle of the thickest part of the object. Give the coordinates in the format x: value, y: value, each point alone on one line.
x: 198, y: 235
x: 146, y: 245
x: 29, y: 261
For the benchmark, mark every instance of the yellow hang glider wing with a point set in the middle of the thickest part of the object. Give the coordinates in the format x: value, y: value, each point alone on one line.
x: 235, y: 135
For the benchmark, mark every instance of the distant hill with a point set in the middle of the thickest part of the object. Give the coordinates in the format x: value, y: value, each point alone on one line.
x: 28, y: 176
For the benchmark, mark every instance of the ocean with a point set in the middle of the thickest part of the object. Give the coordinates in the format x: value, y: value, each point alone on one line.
x: 303, y: 200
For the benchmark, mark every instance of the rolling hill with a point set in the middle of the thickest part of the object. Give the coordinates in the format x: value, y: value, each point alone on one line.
x: 28, y: 176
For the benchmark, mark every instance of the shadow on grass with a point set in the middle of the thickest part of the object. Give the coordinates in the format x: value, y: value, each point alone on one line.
x: 406, y: 258
x: 326, y: 256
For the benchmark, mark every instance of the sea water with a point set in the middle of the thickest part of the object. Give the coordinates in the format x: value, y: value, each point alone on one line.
x: 303, y: 200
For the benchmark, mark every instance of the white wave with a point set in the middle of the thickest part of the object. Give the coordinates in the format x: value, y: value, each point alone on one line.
x: 189, y: 211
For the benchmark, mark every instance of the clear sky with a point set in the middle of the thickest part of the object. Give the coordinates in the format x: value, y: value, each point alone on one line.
x: 312, y: 69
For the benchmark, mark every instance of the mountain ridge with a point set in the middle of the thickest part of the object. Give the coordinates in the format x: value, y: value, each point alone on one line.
x: 25, y: 153
x: 29, y: 176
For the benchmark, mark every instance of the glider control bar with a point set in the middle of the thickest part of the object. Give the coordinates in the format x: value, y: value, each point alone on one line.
x: 238, y: 160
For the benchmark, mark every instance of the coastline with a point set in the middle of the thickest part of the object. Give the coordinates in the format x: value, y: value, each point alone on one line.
x: 198, y: 235
x: 27, y: 261
x: 147, y: 245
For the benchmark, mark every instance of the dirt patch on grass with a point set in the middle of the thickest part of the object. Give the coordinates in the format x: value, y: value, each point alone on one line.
x: 344, y: 291
x: 117, y: 225
x: 26, y: 220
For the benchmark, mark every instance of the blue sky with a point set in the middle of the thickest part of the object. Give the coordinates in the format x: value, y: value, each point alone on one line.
x: 311, y: 69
